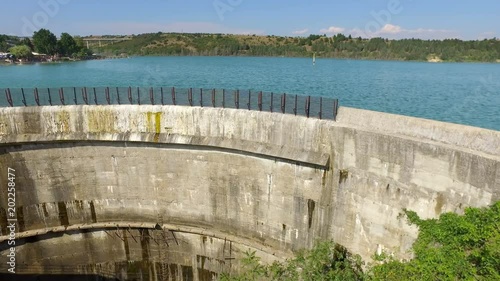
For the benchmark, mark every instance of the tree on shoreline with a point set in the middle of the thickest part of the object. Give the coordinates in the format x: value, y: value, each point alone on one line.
x: 45, y: 42
x: 67, y: 46
x: 3, y: 43
x: 27, y: 42
x: 21, y: 52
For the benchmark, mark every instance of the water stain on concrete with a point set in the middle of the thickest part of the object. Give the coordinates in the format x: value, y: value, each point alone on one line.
x: 92, y: 212
x: 63, y: 213
x: 440, y: 201
x: 20, y: 218
x: 311, y: 204
x: 344, y: 174
x: 45, y: 212
x: 3, y: 221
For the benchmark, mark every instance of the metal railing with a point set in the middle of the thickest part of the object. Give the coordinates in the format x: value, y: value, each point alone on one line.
x: 309, y: 106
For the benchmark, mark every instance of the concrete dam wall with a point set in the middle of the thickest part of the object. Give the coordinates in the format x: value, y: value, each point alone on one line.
x: 184, y: 192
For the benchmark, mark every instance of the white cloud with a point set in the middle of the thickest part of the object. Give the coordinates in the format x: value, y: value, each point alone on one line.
x: 332, y: 30
x: 392, y: 29
x: 397, y: 32
x: 300, y: 32
x: 126, y: 28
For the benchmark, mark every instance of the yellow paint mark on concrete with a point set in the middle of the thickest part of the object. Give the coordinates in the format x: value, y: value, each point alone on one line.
x: 158, y: 122
x: 154, y: 124
x: 148, y: 121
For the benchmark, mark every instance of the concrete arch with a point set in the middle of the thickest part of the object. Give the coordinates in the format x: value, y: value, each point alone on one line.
x: 270, y: 182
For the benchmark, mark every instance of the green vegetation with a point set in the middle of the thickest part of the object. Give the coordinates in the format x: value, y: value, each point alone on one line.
x: 200, y: 44
x: 21, y: 51
x: 27, y: 42
x: 6, y: 42
x: 337, y: 46
x: 66, y: 46
x: 44, y: 42
x: 326, y: 261
x: 453, y: 247
x: 3, y: 43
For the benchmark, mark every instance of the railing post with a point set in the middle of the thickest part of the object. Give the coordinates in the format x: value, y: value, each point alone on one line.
x: 201, y: 97
x: 190, y: 96
x: 152, y: 96
x: 295, y: 106
x: 95, y: 96
x: 213, y: 97
x: 37, y: 98
x: 237, y: 99
x: 335, y: 109
x: 85, y: 96
x: 223, y: 98
x: 108, y: 99
x: 50, y: 97
x: 173, y: 96
x: 308, y: 105
x: 24, y: 97
x: 260, y: 101
x: 320, y: 107
x: 283, y: 103
x: 161, y: 92
x: 118, y: 96
x: 249, y: 99
x: 138, y: 96
x: 61, y: 96
x: 271, y: 106
x: 130, y: 94
x: 74, y: 96
x: 9, y: 97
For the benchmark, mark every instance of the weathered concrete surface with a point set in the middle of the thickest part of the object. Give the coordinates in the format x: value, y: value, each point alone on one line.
x: 271, y: 182
x: 466, y: 137
x: 134, y: 254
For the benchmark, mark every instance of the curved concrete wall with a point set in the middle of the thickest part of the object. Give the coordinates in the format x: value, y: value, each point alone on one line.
x: 270, y: 182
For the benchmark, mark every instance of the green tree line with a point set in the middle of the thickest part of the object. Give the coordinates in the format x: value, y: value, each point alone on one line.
x: 200, y: 44
x: 44, y: 42
x: 453, y: 247
x: 337, y: 46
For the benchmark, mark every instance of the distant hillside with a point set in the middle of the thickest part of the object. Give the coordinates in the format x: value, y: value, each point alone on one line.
x: 338, y: 46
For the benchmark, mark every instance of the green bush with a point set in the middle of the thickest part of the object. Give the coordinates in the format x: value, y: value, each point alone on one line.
x: 453, y: 247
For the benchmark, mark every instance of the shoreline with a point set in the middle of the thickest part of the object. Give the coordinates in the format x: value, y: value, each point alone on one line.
x: 317, y: 58
x: 433, y: 61
x: 4, y: 63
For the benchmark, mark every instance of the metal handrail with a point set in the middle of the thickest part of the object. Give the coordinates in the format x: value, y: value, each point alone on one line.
x: 302, y: 105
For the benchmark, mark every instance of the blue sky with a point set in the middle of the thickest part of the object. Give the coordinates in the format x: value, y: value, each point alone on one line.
x: 367, y: 18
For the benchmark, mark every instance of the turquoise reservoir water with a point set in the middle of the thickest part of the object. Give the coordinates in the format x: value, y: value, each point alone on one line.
x: 465, y: 93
